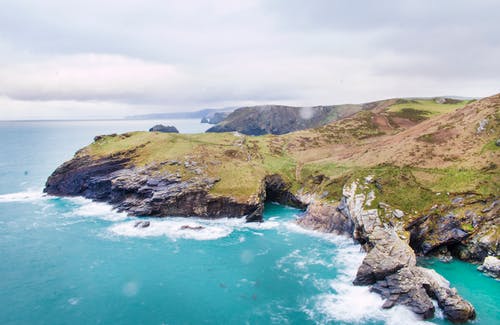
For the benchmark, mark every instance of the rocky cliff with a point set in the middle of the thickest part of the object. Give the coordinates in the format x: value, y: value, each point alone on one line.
x: 429, y: 179
x: 390, y: 264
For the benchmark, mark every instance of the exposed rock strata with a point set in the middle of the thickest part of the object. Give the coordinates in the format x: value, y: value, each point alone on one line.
x: 135, y: 191
x: 152, y: 191
x: 390, y: 264
x: 470, y: 236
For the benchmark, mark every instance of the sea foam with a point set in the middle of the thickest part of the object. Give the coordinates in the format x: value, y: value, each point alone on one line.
x: 89, y: 208
x: 173, y: 228
x: 25, y: 196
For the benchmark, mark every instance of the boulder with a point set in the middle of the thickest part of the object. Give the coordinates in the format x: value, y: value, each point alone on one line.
x: 142, y: 224
x: 164, y: 129
x: 491, y: 266
x: 188, y: 227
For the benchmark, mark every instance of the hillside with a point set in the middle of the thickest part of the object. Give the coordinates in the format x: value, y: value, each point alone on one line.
x: 389, y: 115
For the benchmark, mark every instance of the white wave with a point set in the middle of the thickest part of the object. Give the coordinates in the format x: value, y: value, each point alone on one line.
x: 26, y: 196
x: 343, y: 302
x: 357, y: 305
x: 338, y: 240
x: 174, y: 228
x: 89, y: 208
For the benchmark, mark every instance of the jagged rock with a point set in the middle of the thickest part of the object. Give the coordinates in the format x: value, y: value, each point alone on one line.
x: 406, y: 287
x: 133, y: 190
x: 326, y: 218
x: 455, y: 308
x: 163, y: 128
x: 389, y: 266
x: 389, y: 255
x: 142, y: 224
x: 436, y: 231
x: 491, y: 266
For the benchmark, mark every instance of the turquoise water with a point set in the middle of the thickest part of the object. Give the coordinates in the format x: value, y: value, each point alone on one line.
x: 74, y: 261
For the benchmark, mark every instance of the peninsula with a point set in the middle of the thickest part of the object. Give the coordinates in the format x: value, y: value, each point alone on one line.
x: 403, y: 177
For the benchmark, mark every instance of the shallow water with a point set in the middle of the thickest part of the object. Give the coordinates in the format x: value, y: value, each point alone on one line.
x: 76, y: 261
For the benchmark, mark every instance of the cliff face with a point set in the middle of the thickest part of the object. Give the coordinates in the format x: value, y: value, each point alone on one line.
x: 277, y: 119
x: 390, y: 264
x: 145, y: 191
x: 155, y: 190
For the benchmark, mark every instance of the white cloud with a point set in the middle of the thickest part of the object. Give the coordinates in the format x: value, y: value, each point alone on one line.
x: 90, y: 77
x: 62, y: 58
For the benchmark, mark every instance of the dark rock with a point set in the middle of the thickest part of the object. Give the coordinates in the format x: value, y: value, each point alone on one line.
x: 406, y: 287
x: 435, y: 231
x: 142, y: 224
x: 132, y: 190
x: 164, y: 129
x: 277, y: 190
x: 100, y: 137
x: 415, y: 286
x: 204, y: 120
x: 188, y: 227
x: 497, y: 143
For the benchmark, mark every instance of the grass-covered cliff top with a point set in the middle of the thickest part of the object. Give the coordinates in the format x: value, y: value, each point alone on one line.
x: 417, y: 158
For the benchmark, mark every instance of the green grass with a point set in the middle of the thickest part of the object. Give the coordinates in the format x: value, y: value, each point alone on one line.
x: 412, y: 114
x: 460, y: 180
x: 490, y: 146
x: 241, y: 163
x: 427, y: 105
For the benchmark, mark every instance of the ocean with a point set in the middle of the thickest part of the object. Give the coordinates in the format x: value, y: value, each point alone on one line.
x: 74, y: 261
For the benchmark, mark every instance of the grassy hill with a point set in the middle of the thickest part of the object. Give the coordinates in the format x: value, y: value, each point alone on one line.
x: 415, y: 148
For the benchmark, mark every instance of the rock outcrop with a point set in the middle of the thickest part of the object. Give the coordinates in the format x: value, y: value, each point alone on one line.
x: 326, y: 218
x: 469, y: 235
x: 164, y: 128
x: 491, y: 266
x: 134, y: 190
x: 390, y: 264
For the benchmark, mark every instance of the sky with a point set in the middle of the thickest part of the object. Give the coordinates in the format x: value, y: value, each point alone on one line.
x: 114, y: 58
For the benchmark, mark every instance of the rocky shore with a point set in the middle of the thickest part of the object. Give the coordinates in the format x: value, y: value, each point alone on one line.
x: 400, y: 191
x: 390, y: 264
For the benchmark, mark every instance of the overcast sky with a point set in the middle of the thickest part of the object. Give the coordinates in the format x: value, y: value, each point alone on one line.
x: 96, y: 58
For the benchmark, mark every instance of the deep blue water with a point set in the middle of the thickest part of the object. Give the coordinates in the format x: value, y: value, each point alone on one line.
x: 72, y: 261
